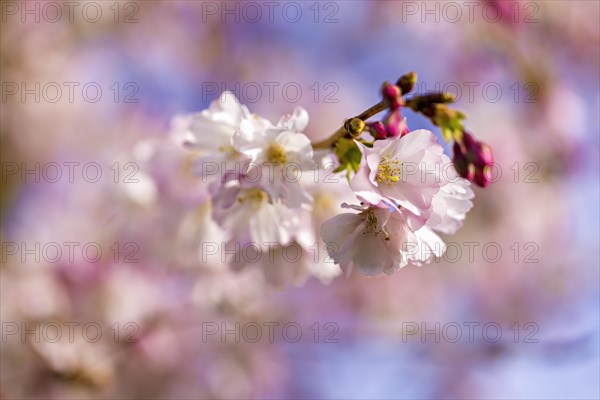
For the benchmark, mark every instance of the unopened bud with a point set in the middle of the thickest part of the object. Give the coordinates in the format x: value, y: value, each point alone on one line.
x: 427, y: 103
x: 447, y: 98
x: 460, y: 162
x: 406, y: 83
x: 468, y: 140
x: 439, y: 98
x: 392, y: 95
x: 403, y: 127
x: 439, y: 114
x: 473, y: 160
x: 483, y: 176
x: 395, y: 125
x: 484, y: 155
x: 354, y: 126
x: 377, y: 130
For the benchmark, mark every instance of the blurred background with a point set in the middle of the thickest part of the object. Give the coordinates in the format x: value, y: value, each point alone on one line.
x: 104, y: 292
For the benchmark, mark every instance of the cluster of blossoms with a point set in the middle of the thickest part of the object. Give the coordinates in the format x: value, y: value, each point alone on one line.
x: 265, y: 191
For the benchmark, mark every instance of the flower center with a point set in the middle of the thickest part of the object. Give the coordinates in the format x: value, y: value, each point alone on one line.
x: 389, y: 170
x: 323, y: 205
x: 276, y: 154
x: 370, y: 221
x: 322, y: 201
x: 254, y: 198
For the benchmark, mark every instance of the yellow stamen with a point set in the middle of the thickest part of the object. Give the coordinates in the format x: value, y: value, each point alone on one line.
x: 254, y: 197
x: 370, y: 221
x: 276, y: 154
x: 389, y: 170
x: 323, y: 202
x: 227, y: 149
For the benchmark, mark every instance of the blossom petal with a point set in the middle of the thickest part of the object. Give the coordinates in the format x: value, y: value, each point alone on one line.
x: 373, y: 257
x: 297, y: 121
x: 335, y: 231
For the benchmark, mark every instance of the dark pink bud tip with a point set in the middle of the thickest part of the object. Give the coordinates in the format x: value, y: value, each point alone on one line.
x: 482, y: 177
x: 393, y: 124
x: 473, y: 160
x: 392, y: 95
x: 377, y: 129
x: 403, y: 128
x: 458, y: 153
x: 483, y: 154
x: 463, y: 168
x: 468, y: 140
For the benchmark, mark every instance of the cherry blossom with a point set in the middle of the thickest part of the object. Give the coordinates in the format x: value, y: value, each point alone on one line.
x: 368, y: 242
x: 405, y: 170
x: 251, y: 215
x: 278, y: 156
x: 210, y: 133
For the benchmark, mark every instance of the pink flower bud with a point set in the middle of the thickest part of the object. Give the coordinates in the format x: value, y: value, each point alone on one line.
x: 473, y: 160
x: 393, y: 122
x: 394, y: 125
x: 392, y: 95
x: 460, y: 161
x: 483, y: 154
x: 377, y: 129
x: 483, y: 176
x: 403, y: 127
x: 468, y: 140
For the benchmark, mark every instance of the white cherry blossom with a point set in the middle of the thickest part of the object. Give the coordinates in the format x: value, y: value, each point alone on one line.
x: 451, y: 204
x: 210, y: 132
x: 250, y: 215
x: 279, y: 155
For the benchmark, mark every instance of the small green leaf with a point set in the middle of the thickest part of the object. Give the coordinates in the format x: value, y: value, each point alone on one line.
x: 349, y: 156
x: 340, y: 168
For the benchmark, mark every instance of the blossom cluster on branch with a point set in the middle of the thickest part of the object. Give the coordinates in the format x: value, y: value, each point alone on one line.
x: 265, y: 187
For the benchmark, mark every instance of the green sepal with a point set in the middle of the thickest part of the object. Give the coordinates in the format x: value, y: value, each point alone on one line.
x: 449, y: 121
x: 349, y: 156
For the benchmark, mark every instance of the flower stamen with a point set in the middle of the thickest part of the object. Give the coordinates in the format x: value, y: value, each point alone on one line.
x: 370, y: 221
x: 276, y: 154
x: 254, y: 197
x: 389, y: 170
x: 227, y: 149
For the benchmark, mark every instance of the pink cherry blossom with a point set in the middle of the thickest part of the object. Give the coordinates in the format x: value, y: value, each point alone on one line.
x: 405, y: 170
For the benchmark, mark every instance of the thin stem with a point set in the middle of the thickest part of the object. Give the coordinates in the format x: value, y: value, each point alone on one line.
x: 341, y: 132
x: 376, y: 109
x: 330, y: 141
